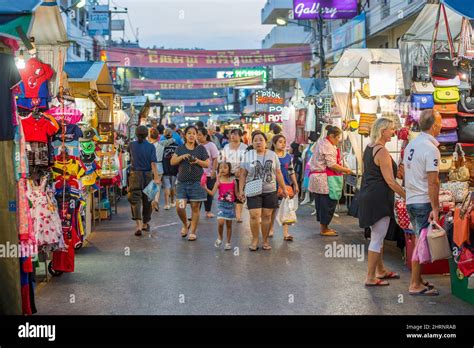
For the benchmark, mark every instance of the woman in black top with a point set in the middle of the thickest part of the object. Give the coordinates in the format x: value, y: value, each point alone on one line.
x: 376, y: 198
x: 191, y: 158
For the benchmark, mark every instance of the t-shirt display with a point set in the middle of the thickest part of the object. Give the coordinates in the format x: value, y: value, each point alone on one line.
x: 71, y: 133
x: 38, y: 129
x: 262, y: 167
x: 34, y: 85
x: 189, y: 172
x: 71, y: 115
x: 11, y: 78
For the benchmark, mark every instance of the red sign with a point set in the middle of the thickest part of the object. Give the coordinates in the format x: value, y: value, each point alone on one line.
x: 140, y: 57
x: 269, y: 97
x: 270, y: 117
x: 138, y: 84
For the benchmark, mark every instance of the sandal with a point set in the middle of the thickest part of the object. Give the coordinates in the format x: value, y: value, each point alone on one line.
x: 147, y: 228
x: 138, y: 233
x: 266, y: 247
x: 183, y: 234
x: 425, y: 292
x: 329, y: 234
x: 390, y: 275
x: 239, y: 221
x: 379, y: 282
x: 288, y: 238
x: 428, y: 285
x: 192, y: 237
x: 251, y: 248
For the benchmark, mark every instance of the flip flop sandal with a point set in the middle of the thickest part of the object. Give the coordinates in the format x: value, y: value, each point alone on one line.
x: 329, y: 234
x: 147, y: 228
x: 428, y: 285
x: 266, y: 247
x: 390, y: 275
x: 253, y: 249
x: 239, y: 221
x: 270, y: 236
x: 192, y: 237
x: 425, y: 292
x: 379, y: 282
x: 184, y: 235
x: 288, y: 238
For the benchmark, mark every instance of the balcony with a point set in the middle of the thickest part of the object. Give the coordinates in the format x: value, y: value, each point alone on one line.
x: 291, y: 35
x: 274, y: 9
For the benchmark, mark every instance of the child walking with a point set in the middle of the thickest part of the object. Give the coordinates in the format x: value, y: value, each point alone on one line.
x: 227, y: 188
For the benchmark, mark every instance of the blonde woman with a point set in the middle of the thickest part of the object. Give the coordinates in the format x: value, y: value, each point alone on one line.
x: 376, y: 198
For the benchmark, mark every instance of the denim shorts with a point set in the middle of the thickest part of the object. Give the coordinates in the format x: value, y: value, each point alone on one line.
x: 191, y: 191
x: 419, y: 214
x: 168, y: 182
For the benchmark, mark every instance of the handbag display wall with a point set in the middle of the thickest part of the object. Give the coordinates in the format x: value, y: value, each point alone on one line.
x: 465, y: 127
x: 466, y: 102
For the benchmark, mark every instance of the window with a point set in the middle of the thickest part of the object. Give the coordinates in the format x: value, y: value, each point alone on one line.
x: 87, y: 55
x: 76, y: 49
x: 385, y: 8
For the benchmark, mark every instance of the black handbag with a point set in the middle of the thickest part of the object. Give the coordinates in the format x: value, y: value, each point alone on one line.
x: 354, y: 207
x: 465, y: 129
x: 421, y: 73
x: 442, y: 63
x: 446, y: 149
x: 466, y: 103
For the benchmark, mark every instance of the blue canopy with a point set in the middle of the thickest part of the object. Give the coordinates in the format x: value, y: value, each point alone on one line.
x: 19, y: 7
x: 462, y: 7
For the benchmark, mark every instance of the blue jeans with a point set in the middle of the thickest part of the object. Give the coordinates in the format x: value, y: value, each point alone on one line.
x: 190, y: 191
x: 419, y: 216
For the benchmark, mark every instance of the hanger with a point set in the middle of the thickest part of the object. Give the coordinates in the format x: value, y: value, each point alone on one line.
x: 37, y: 114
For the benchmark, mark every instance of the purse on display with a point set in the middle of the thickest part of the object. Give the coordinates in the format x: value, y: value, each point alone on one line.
x: 442, y: 63
x: 448, y: 122
x: 422, y: 87
x: 465, y: 127
x: 446, y: 164
x: 450, y: 136
x: 365, y: 123
x: 422, y: 101
x: 457, y: 188
x: 466, y: 103
x: 420, y: 60
x: 459, y: 171
x: 421, y: 73
x: 446, y: 95
x: 447, y: 149
x: 454, y: 82
x: 466, y: 261
x: 446, y: 108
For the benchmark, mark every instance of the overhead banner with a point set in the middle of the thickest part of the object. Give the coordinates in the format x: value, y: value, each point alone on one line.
x: 328, y: 9
x: 138, y: 84
x: 144, y: 58
x: 194, y: 102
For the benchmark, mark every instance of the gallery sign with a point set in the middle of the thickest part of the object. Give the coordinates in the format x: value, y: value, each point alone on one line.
x: 328, y: 9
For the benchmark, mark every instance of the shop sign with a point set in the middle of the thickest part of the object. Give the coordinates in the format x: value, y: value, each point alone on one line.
x: 328, y: 9
x: 269, y: 96
x: 251, y: 73
x: 99, y: 20
x: 270, y: 117
x: 351, y: 34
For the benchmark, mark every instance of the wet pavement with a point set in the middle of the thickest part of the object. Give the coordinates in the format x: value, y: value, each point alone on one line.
x: 161, y: 273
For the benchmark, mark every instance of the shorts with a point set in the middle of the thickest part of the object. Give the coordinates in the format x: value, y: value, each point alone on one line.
x: 225, y: 210
x: 169, y: 182
x: 265, y: 201
x: 419, y: 216
x: 190, y: 191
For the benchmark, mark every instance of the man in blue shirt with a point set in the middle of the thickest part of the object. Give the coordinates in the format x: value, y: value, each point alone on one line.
x: 175, y: 135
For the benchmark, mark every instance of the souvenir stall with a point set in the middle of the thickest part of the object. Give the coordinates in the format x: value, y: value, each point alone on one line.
x: 90, y: 83
x: 440, y: 71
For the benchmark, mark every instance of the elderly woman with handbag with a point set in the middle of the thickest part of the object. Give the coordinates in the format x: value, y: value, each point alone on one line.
x: 260, y: 172
x: 326, y: 179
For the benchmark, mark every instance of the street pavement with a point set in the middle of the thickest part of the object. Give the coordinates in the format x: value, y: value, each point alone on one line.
x: 161, y: 273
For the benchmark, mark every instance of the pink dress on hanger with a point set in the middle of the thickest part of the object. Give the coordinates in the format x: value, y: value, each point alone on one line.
x: 45, y: 216
x: 288, y: 116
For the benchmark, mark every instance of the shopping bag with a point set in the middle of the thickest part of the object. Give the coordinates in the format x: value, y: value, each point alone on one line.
x: 287, y: 211
x: 151, y: 190
x: 438, y: 242
x: 422, y: 249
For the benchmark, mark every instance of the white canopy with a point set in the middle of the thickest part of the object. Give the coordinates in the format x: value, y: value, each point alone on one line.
x: 421, y: 32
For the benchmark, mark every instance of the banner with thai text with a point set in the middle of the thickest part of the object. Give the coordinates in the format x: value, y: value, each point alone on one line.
x: 194, y: 102
x: 138, y: 84
x: 140, y: 57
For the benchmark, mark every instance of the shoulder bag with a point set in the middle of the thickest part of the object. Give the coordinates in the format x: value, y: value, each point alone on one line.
x: 465, y: 127
x: 466, y: 102
x: 422, y: 87
x: 448, y: 122
x: 255, y: 187
x: 446, y: 108
x: 450, y: 136
x: 446, y: 149
x: 454, y: 82
x: 446, y: 95
x: 422, y: 101
x: 442, y: 63
x: 459, y: 171
x: 446, y: 164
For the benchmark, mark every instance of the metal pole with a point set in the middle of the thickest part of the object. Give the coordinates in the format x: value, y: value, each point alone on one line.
x: 321, y: 46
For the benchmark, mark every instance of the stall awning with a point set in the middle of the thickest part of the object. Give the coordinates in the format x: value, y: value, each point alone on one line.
x: 86, y: 76
x: 461, y: 7
x: 15, y: 14
x: 48, y: 26
x: 311, y: 87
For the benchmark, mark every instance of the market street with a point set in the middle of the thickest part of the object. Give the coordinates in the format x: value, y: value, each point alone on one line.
x: 165, y: 274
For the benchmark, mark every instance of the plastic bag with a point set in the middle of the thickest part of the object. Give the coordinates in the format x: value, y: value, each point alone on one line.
x: 422, y: 249
x: 151, y: 190
x: 287, y: 212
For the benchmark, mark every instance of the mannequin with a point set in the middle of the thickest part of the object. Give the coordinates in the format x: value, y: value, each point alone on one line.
x: 311, y: 117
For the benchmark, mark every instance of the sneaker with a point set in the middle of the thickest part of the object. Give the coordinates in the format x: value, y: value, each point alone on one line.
x: 227, y: 246
x: 218, y: 243
x: 173, y: 204
x: 167, y: 207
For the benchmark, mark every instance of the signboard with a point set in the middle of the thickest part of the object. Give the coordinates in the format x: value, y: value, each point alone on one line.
x: 270, y: 117
x: 351, y: 34
x: 328, y: 9
x: 99, y: 20
x: 138, y: 84
x: 235, y: 59
x: 118, y: 24
x: 251, y: 73
x: 268, y: 96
